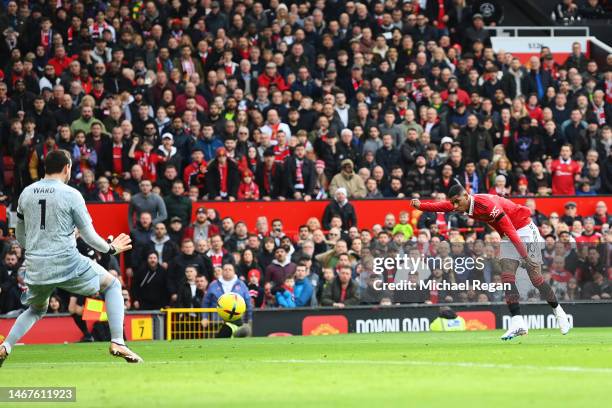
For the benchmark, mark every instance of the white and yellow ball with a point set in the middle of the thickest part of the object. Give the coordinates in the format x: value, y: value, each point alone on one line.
x: 231, y: 307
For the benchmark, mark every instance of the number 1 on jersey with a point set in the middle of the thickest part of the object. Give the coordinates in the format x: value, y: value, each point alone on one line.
x: 43, y: 213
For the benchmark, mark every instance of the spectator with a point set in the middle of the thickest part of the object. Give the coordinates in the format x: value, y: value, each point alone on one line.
x: 300, y: 175
x: 228, y: 282
x: 347, y: 179
x: 10, y: 288
x: 149, y: 285
x: 223, y: 177
x: 141, y: 236
x: 280, y: 267
x: 303, y: 290
x: 342, y: 291
x: 177, y: 205
x: 565, y: 172
x: 176, y: 268
x: 342, y: 208
x: 597, y: 289
x: 285, y: 297
x: 147, y: 201
x: 162, y: 245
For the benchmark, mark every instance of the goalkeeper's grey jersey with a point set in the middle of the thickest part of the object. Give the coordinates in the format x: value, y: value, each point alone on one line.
x: 51, y: 210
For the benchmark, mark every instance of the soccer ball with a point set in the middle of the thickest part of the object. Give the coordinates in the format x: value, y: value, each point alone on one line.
x: 230, y: 307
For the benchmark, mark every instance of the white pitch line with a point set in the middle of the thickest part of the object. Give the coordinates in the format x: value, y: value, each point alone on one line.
x: 576, y: 369
x: 602, y: 370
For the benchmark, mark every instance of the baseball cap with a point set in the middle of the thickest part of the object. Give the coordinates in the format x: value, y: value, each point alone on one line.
x: 175, y: 219
x: 477, y: 16
x: 446, y: 139
x: 201, y: 210
x: 167, y: 135
x: 570, y: 204
x: 221, y: 152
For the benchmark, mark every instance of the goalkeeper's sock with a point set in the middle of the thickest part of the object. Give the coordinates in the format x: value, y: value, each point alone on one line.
x: 115, y: 311
x: 22, y: 325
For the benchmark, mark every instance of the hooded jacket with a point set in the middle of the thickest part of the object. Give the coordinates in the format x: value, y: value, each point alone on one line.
x: 276, y: 272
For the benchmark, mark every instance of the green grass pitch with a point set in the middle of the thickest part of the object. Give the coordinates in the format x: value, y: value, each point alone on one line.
x: 467, y: 369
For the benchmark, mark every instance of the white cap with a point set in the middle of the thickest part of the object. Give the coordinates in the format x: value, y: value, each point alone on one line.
x: 446, y: 139
x: 167, y: 136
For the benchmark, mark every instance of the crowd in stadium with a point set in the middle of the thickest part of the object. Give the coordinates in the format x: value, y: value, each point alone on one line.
x: 164, y: 103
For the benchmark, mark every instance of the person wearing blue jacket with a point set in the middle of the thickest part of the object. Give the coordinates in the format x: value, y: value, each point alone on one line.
x: 303, y: 289
x: 208, y: 142
x: 227, y: 282
x: 285, y: 297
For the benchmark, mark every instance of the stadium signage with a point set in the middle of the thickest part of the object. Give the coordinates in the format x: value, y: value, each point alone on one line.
x: 417, y: 324
x: 538, y: 321
x: 524, y: 47
x: 412, y: 318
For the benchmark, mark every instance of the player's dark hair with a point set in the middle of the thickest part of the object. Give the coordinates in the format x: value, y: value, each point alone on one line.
x: 455, y: 190
x: 56, y: 161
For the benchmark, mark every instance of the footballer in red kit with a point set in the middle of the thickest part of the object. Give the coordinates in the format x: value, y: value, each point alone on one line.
x: 512, y: 221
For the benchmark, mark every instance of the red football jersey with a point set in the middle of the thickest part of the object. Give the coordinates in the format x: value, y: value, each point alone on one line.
x: 563, y: 175
x: 500, y: 213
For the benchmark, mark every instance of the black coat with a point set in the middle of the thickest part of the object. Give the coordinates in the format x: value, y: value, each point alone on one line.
x: 308, y: 174
x: 529, y: 82
x: 474, y: 141
x: 347, y: 214
x: 213, y: 179
x: 422, y: 183
x: 176, y: 269
x: 387, y: 158
x: 276, y: 183
x: 149, y: 287
x: 169, y: 251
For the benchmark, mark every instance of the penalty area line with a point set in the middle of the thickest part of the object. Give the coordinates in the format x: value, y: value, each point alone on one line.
x: 601, y: 370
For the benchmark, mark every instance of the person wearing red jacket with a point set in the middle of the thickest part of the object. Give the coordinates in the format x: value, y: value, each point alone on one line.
x: 248, y: 189
x: 197, y: 164
x: 565, y: 172
x: 514, y: 222
x: 272, y: 77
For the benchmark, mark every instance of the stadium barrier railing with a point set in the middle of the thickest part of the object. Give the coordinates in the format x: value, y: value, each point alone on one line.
x: 188, y: 323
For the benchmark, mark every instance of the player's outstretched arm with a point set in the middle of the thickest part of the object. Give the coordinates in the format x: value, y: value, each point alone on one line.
x: 440, y: 206
x: 83, y: 222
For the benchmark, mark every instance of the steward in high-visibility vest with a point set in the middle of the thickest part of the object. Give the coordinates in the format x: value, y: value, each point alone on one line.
x: 447, y: 321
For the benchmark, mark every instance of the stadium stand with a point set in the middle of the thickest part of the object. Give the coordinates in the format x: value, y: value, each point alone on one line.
x: 168, y: 105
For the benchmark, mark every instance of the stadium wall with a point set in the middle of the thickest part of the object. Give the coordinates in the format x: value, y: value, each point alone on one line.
x: 148, y: 325
x: 60, y: 328
x: 111, y: 218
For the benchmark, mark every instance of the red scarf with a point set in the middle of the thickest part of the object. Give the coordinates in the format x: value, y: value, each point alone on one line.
x: 45, y: 39
x: 441, y: 13
x: 600, y: 113
x: 299, y: 177
x: 118, y: 159
x: 223, y: 177
x: 268, y: 175
x: 108, y: 197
